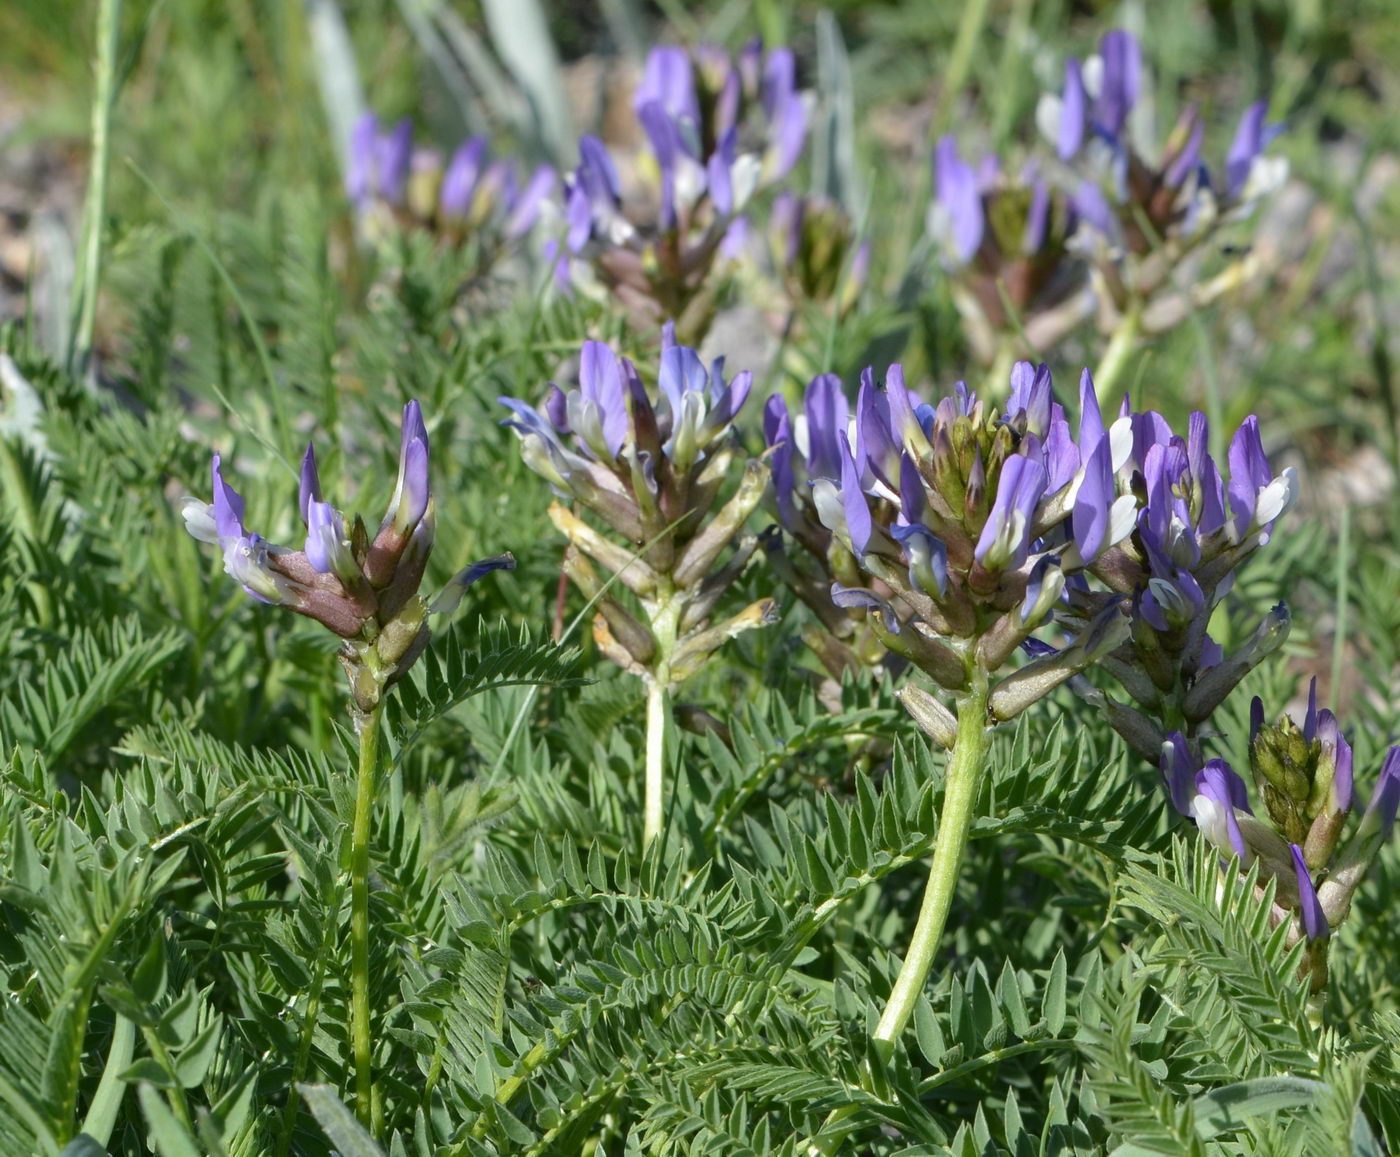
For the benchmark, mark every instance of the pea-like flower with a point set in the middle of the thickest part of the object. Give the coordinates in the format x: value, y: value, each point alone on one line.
x: 717, y: 130
x: 467, y: 197
x: 1192, y: 531
x: 364, y: 589
x: 1304, y: 777
x: 659, y: 477
x: 972, y: 519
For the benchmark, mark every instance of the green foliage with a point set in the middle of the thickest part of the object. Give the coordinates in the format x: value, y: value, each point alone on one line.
x: 177, y: 762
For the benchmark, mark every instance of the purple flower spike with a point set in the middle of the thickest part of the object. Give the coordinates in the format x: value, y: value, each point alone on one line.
x: 1249, y: 473
x: 928, y: 559
x: 1091, y: 428
x: 600, y: 382
x: 682, y: 372
x: 1037, y: 218
x: 825, y: 408
x: 669, y: 80
x: 1188, y: 159
x: 1092, y: 208
x: 1122, y: 72
x: 359, y: 170
x: 228, y: 506
x: 309, y: 490
x: 1005, y: 539
x: 1178, y: 773
x: 786, y: 112
x: 1030, y: 391
x: 1256, y: 718
x: 1310, y: 719
x: 1072, y: 105
x: 1337, y: 750
x: 849, y: 597
x: 719, y: 172
x: 410, y: 501
x: 876, y: 445
x: 1385, y: 799
x: 858, y: 522
x: 1090, y: 517
x: 325, y: 537
x: 1309, y: 907
x: 596, y: 192
x: 460, y: 181
x: 1249, y: 142
x: 526, y: 210
x: 451, y: 596
x: 960, y: 198
x: 777, y: 433
x: 1218, y: 791
x: 393, y: 155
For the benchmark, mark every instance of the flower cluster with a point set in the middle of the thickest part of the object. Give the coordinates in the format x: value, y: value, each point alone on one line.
x: 1005, y: 245
x: 1193, y: 529
x: 364, y: 589
x: 467, y: 196
x: 971, y: 521
x: 1108, y: 237
x: 1134, y: 203
x: 967, y: 528
x: 1304, y: 777
x: 653, y: 474
x: 717, y: 129
x: 815, y: 252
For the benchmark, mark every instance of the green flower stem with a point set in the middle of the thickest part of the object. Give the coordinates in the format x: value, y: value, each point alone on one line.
x: 657, y: 707
x: 366, y: 1107
x: 963, y: 779
x: 665, y: 622
x: 1120, y: 348
x: 86, y: 284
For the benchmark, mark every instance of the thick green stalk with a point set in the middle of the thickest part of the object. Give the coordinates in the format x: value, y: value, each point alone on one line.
x: 962, y: 782
x: 657, y: 706
x: 365, y: 1103
x: 665, y: 623
x: 89, y: 277
x: 964, y: 778
x: 1120, y: 348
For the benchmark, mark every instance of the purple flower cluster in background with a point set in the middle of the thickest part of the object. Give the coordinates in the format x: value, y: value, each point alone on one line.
x: 467, y: 195
x: 717, y: 130
x: 1178, y: 194
x: 1095, y: 231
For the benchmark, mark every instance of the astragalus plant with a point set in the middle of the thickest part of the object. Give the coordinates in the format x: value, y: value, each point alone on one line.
x: 1020, y: 827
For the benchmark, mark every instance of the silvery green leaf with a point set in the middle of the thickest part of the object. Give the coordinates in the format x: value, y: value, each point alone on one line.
x: 520, y: 33
x: 336, y: 72
x: 337, y: 1122
x: 834, y: 136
